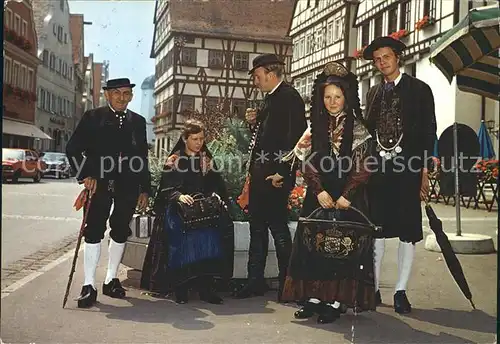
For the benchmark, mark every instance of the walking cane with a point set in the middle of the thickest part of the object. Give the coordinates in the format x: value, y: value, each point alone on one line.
x: 83, y: 199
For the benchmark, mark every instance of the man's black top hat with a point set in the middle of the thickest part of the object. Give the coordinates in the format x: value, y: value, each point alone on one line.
x: 265, y: 60
x: 381, y: 42
x: 117, y: 83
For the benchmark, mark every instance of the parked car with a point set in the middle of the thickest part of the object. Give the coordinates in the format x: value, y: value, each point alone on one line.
x: 21, y: 163
x: 57, y: 165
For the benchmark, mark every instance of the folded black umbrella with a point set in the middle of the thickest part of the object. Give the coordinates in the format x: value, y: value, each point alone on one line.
x: 447, y: 251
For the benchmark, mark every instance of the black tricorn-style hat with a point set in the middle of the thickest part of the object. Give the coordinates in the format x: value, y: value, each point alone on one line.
x: 117, y: 83
x: 265, y: 60
x: 381, y: 42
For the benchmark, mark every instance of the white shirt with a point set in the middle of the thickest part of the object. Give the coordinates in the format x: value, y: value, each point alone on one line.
x: 274, y: 89
x: 125, y: 111
x: 398, y: 79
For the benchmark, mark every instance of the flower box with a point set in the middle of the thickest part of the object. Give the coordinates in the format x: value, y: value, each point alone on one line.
x: 487, y: 169
x: 424, y: 22
x: 358, y: 53
x: 400, y: 34
x: 20, y: 41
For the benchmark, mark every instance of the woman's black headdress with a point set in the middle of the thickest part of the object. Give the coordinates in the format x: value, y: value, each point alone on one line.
x: 336, y: 74
x: 180, y: 146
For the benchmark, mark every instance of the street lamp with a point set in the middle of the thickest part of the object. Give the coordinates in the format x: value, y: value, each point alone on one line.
x: 490, y: 125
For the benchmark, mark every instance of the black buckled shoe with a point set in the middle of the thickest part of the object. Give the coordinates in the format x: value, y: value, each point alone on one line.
x: 307, y: 311
x: 378, y: 298
x: 401, y: 303
x: 211, y: 297
x: 181, y: 296
x: 328, y: 314
x: 114, y: 289
x: 88, y: 297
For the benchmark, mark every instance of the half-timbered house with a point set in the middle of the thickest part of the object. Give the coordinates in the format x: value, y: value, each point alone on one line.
x: 320, y: 31
x: 203, y: 51
x: 419, y: 23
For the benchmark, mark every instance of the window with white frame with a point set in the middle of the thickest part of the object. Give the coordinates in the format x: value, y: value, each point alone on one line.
x: 60, y: 33
x: 301, y: 47
x: 310, y: 38
x: 15, y: 75
x: 45, y: 58
x: 297, y: 84
x: 30, y: 79
x: 17, y: 23
x: 308, y: 45
x: 7, y: 68
x: 241, y: 60
x: 329, y: 33
x: 48, y: 101
x: 8, y: 18
x: 319, y: 39
x: 337, y: 32
x: 303, y: 87
x: 24, y: 29
x: 309, y: 85
x: 22, y: 78
x: 53, y: 103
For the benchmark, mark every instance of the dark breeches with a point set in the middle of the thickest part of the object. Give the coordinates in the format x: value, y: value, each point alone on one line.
x: 259, y: 242
x: 124, y: 198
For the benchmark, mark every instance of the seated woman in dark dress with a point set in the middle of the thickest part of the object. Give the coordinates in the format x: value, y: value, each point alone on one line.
x: 333, y: 154
x: 177, y: 260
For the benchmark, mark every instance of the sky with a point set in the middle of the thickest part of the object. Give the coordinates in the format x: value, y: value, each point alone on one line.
x: 121, y: 32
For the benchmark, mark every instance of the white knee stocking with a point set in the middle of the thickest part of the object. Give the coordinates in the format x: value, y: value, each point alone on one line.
x: 91, y: 255
x: 115, y: 258
x: 378, y: 250
x: 406, y: 252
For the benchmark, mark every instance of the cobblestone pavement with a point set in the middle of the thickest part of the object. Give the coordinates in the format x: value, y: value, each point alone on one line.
x: 38, y: 225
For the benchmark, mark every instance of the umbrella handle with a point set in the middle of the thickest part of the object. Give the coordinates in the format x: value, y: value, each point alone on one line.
x: 375, y: 227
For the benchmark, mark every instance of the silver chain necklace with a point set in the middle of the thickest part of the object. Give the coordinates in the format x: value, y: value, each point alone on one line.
x: 388, y: 152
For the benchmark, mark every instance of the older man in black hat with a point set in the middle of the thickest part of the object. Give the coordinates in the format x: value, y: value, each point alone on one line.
x: 277, y: 127
x: 400, y: 115
x: 109, y: 151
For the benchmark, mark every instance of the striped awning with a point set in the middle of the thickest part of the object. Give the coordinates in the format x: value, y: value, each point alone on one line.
x: 470, y: 51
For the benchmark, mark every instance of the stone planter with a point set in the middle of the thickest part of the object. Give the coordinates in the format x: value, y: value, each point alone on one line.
x: 135, y: 250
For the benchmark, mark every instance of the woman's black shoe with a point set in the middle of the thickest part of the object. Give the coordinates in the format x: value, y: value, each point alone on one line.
x: 88, y: 297
x: 210, y: 297
x: 307, y: 311
x: 328, y: 314
x: 181, y: 296
x: 378, y: 298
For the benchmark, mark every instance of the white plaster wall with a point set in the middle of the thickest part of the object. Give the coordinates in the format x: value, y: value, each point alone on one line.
x: 192, y: 90
x: 493, y: 113
x: 202, y: 58
x: 468, y: 109
x: 444, y: 93
x: 148, y: 111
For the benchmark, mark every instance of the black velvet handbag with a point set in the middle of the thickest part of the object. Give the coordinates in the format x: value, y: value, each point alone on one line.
x: 205, y: 212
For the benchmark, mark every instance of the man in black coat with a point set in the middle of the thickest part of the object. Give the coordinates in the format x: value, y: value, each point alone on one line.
x: 109, y: 151
x: 276, y: 129
x: 400, y: 116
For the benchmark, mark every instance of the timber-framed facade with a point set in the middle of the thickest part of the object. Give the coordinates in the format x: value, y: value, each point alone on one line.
x: 203, y: 55
x: 321, y: 32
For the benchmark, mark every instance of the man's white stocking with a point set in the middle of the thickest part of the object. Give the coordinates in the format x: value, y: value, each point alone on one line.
x: 406, y: 252
x: 115, y: 258
x: 378, y: 249
x: 91, y: 255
